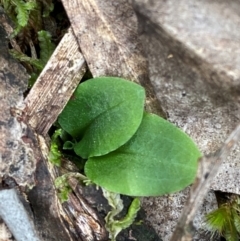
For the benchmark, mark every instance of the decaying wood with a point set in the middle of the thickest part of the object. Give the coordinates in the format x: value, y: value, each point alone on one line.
x: 22, y: 162
x: 107, y: 33
x: 44, y: 103
x: 83, y: 217
x: 55, y: 85
x: 207, y: 170
x: 53, y: 220
x: 77, y: 218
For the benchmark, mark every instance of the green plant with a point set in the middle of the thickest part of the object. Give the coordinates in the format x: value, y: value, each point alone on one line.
x: 19, y: 11
x: 114, y: 226
x: 61, y: 183
x: 225, y: 221
x: 128, y: 151
x: 27, y: 15
x: 46, y: 50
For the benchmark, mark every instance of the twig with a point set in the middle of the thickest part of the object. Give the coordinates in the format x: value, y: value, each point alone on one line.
x: 207, y: 170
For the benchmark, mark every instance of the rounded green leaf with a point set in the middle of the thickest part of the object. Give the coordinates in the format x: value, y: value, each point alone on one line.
x: 157, y: 160
x: 103, y: 114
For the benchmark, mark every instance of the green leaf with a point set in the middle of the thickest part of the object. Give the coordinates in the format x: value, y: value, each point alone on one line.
x: 30, y: 5
x: 105, y: 112
x: 68, y: 145
x: 131, y: 215
x: 24, y: 58
x: 22, y: 12
x: 159, y: 159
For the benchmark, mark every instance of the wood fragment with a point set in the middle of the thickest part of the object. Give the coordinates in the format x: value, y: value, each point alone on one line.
x: 108, y: 37
x: 84, y: 218
x: 55, y: 85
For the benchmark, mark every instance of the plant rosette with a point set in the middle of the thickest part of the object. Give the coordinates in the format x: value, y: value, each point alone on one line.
x: 128, y: 151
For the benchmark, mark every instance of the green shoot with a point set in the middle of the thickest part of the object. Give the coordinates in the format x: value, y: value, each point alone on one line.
x: 113, y: 226
x: 225, y: 221
x: 19, y: 12
x: 61, y: 183
x: 55, y: 155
